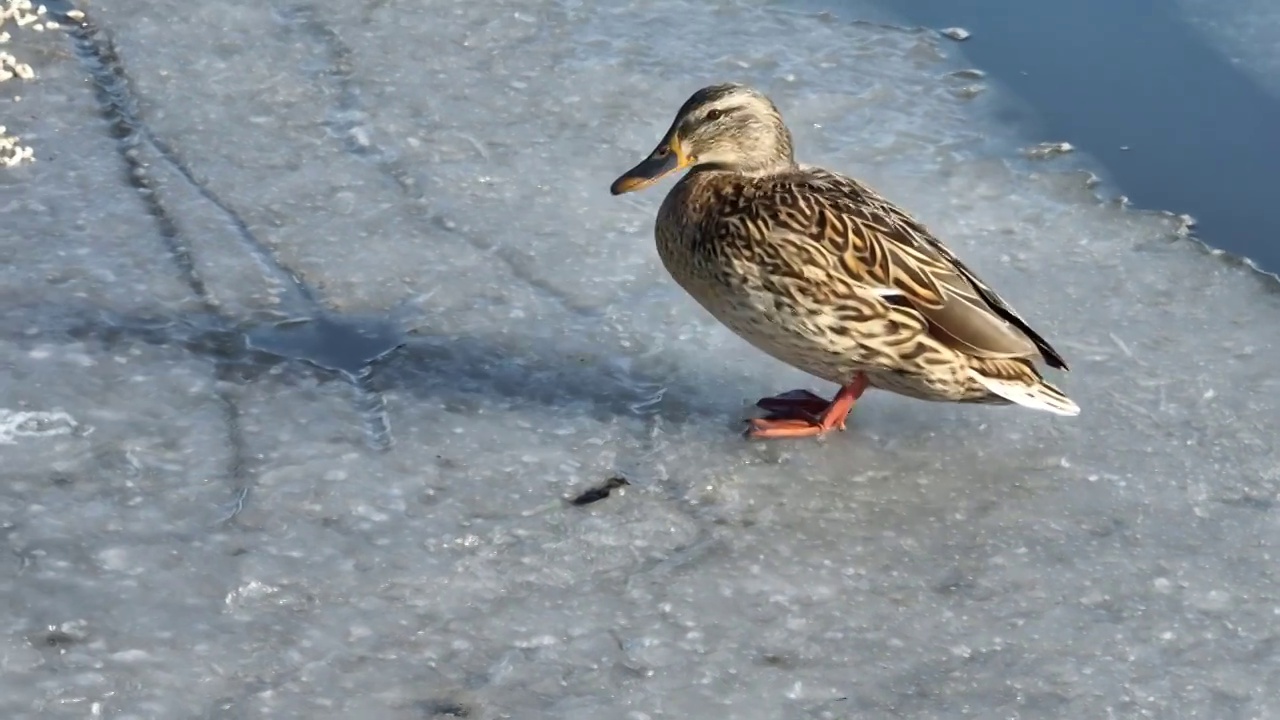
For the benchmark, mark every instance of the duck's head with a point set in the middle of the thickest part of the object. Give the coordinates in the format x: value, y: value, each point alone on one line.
x: 731, y: 127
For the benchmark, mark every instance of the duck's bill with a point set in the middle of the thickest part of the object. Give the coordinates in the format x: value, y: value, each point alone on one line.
x: 664, y: 161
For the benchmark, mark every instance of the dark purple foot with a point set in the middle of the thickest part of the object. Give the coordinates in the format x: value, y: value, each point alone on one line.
x: 797, y: 404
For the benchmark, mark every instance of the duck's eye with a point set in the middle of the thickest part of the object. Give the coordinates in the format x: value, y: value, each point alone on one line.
x: 715, y: 115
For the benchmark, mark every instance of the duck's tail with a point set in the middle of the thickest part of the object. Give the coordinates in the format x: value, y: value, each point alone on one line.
x: 1018, y: 382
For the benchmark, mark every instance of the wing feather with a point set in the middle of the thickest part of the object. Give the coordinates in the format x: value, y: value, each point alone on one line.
x: 882, y: 247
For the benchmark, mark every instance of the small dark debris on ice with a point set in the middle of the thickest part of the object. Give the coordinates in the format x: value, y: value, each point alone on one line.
x: 596, y: 494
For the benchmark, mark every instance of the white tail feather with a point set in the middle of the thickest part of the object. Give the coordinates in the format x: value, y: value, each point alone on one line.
x: 1041, y: 396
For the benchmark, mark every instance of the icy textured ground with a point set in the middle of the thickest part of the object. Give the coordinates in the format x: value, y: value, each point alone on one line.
x: 213, y: 531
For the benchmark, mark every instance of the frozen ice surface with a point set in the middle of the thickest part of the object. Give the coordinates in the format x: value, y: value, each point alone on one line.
x: 1244, y: 31
x: 214, y: 534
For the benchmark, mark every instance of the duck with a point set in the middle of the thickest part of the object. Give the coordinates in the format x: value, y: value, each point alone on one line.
x: 819, y: 271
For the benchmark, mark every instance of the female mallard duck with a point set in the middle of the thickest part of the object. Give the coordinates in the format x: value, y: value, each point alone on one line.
x: 819, y: 271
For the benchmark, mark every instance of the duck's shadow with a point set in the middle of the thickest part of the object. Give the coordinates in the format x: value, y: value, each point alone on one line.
x: 522, y: 371
x: 377, y: 354
x: 463, y: 373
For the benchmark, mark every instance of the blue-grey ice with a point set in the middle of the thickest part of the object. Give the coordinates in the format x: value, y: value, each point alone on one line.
x: 206, y: 516
x: 1243, y: 31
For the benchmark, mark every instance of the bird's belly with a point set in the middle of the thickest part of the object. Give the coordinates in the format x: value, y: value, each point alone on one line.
x: 796, y: 337
x: 806, y: 339
x: 944, y: 385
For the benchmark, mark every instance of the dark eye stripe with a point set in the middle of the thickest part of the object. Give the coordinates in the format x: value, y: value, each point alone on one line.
x: 721, y: 112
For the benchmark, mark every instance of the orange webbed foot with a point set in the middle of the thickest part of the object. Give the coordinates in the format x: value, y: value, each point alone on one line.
x: 800, y: 413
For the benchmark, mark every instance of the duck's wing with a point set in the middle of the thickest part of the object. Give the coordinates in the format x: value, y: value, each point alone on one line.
x: 880, y: 245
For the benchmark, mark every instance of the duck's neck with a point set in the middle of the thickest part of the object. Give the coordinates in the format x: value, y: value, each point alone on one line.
x: 774, y: 153
x: 746, y: 169
x: 761, y: 168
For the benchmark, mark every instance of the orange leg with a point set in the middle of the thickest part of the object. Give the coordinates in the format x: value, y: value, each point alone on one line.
x: 800, y: 413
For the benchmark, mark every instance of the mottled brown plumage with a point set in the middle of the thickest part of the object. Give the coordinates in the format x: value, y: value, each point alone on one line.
x: 821, y: 272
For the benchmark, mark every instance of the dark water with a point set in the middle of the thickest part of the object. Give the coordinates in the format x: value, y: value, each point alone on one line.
x: 1202, y: 137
